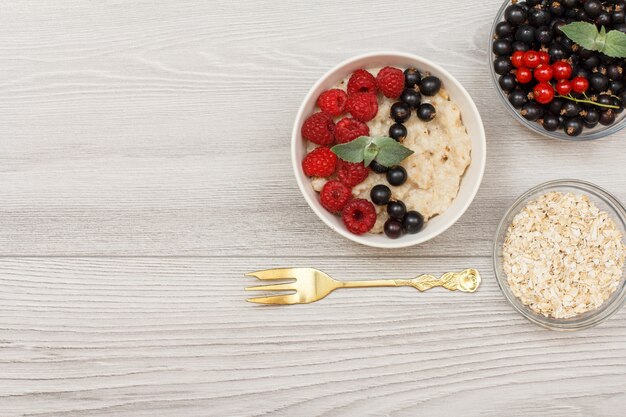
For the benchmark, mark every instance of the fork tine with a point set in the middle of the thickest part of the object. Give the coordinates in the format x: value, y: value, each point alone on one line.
x: 277, y: 273
x: 277, y: 287
x: 276, y: 299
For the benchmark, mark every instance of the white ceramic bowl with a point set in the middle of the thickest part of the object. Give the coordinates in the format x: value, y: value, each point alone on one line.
x: 471, y: 118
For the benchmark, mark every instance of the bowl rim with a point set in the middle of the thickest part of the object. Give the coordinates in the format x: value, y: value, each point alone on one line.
x: 365, y: 239
x: 594, y: 317
x: 536, y: 127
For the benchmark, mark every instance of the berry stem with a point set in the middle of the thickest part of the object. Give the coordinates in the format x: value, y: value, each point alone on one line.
x: 588, y: 101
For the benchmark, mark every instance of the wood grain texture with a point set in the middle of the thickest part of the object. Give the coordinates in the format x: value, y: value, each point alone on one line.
x: 144, y: 167
x: 148, y: 336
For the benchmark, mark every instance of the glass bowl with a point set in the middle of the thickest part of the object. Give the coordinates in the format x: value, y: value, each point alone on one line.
x: 587, y: 134
x: 604, y: 201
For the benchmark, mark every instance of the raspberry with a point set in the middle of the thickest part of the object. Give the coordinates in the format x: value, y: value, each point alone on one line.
x: 359, y: 216
x: 350, y: 173
x: 334, y: 196
x: 319, y: 128
x: 332, y: 102
x: 362, y: 106
x: 390, y: 82
x: 348, y: 129
x: 320, y: 162
x: 361, y: 81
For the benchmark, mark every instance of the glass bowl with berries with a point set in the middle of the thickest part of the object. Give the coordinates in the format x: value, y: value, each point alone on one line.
x: 388, y: 149
x: 558, y: 65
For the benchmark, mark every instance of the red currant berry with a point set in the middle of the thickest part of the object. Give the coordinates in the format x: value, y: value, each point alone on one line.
x: 563, y: 87
x: 544, y: 93
x: 562, y: 70
x: 580, y: 84
x: 543, y: 73
x: 517, y: 59
x: 531, y: 59
x: 544, y: 57
x: 523, y: 75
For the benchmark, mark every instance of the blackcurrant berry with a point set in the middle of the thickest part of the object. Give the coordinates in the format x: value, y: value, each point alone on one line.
x: 557, y: 9
x: 591, y: 116
x: 430, y: 85
x: 593, y: 8
x: 556, y: 26
x: 397, y: 131
x: 520, y: 46
x: 570, y: 14
x: 614, y: 72
x: 570, y: 109
x: 538, y: 17
x: 581, y: 72
x: 426, y: 112
x: 400, y: 112
x: 378, y: 167
x: 518, y: 98
x: 507, y: 82
x: 396, y: 175
x: 554, y: 107
x: 502, y: 65
x: 557, y: 52
x: 550, y: 122
x: 411, y: 97
x: 504, y: 30
x: 515, y: 15
x: 566, y: 43
x: 581, y: 15
x: 616, y: 87
x: 618, y: 16
x: 573, y: 126
x: 412, y: 77
x: 380, y: 194
x: 543, y: 35
x: 607, y: 117
x: 603, y: 19
x: 413, y: 222
x: 591, y: 62
x: 532, y: 111
x: 604, y: 99
x: 396, y: 209
x: 393, y: 228
x: 525, y: 33
x: 598, y: 82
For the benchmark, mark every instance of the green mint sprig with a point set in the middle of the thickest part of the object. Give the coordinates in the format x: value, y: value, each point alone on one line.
x: 587, y: 35
x: 366, y: 149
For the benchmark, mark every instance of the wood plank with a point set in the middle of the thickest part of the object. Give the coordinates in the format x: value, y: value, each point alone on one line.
x: 134, y: 130
x: 157, y: 336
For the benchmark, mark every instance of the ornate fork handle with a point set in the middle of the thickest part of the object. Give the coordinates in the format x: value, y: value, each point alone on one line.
x: 466, y: 281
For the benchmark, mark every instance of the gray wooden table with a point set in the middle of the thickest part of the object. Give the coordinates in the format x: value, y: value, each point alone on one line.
x: 144, y: 167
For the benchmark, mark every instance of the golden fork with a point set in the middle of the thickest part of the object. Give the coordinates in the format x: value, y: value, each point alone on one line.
x: 312, y: 284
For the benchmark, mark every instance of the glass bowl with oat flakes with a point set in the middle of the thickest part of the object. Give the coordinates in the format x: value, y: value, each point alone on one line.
x: 559, y: 255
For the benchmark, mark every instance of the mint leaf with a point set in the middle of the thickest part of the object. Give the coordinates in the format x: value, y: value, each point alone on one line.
x: 352, y: 151
x: 365, y: 149
x: 583, y: 33
x: 390, y: 152
x: 615, y: 45
x: 601, y: 39
x: 369, y: 153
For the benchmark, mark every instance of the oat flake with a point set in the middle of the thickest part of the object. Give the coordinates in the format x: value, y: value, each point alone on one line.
x: 562, y: 255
